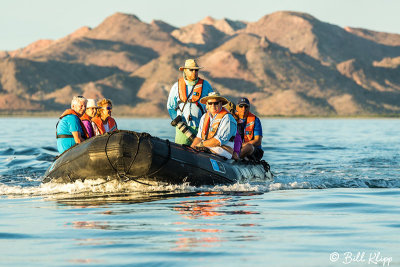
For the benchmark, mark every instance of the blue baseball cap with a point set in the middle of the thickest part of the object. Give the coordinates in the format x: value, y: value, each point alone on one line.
x: 243, y: 101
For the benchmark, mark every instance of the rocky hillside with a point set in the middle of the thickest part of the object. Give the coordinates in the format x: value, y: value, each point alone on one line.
x: 287, y: 63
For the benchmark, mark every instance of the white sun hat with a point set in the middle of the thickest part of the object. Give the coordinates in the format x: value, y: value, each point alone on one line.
x: 91, y: 103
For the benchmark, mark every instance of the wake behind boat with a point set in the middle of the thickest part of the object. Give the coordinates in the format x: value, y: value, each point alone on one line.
x: 140, y: 157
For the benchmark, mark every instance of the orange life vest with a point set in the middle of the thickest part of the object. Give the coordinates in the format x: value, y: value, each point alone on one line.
x: 72, y: 112
x: 198, y: 87
x: 99, y: 124
x: 112, y: 125
x: 207, y: 132
x: 249, y: 130
x: 85, y: 117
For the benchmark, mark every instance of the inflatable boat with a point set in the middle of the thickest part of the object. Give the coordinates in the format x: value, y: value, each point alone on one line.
x: 148, y: 160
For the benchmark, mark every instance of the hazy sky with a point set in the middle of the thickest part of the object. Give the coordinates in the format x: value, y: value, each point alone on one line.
x: 25, y: 21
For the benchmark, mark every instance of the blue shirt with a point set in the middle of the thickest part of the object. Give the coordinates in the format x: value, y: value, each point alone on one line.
x: 257, y: 127
x: 226, y: 129
x: 191, y: 108
x: 67, y: 125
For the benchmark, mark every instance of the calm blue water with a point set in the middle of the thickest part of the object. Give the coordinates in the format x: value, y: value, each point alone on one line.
x: 334, y: 202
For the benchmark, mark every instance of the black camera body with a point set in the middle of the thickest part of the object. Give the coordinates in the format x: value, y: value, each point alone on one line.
x: 182, y: 126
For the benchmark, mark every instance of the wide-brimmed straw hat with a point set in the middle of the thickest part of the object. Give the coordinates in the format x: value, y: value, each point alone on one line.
x: 190, y: 64
x: 214, y: 95
x: 91, y: 103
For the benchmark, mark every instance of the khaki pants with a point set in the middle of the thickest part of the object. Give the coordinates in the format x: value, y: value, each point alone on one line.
x: 180, y: 138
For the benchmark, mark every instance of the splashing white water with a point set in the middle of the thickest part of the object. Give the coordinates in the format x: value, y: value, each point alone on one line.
x: 99, y: 186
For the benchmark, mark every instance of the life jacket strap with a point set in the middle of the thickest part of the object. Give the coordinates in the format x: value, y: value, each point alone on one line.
x: 65, y: 136
x: 200, y: 107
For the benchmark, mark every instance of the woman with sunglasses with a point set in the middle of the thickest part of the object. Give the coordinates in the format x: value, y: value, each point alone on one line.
x: 103, y: 120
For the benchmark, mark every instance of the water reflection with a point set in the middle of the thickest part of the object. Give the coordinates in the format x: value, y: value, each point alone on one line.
x: 200, y: 217
x: 210, y: 234
x: 201, y: 208
x: 188, y: 243
x: 87, y: 200
x: 89, y: 225
x: 85, y: 261
x: 214, y: 206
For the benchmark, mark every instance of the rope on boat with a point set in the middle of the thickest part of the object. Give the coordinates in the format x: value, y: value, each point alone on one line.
x: 120, y: 175
x: 137, y: 148
x: 265, y: 165
x: 154, y: 172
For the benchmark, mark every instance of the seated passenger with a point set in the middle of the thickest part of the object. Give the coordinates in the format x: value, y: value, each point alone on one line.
x: 217, y: 128
x: 250, y: 129
x: 91, y: 110
x: 103, y: 120
x: 70, y: 129
x: 237, y: 143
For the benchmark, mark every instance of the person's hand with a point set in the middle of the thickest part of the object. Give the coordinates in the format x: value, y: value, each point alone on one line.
x: 203, y: 149
x: 200, y: 144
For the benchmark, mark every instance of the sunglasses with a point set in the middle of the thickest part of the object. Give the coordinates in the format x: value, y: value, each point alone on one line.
x: 243, y: 106
x: 108, y: 108
x: 193, y: 70
x: 213, y: 103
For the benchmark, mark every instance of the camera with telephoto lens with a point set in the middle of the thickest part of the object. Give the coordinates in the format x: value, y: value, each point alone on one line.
x: 182, y: 126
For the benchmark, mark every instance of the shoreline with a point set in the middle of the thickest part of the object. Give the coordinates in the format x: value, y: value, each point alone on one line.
x: 56, y: 114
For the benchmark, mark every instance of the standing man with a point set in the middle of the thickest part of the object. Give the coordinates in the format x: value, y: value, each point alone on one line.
x: 250, y: 129
x: 70, y: 129
x: 184, y: 99
x: 217, y: 129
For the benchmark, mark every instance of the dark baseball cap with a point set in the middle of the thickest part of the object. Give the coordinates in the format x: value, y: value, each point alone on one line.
x: 243, y: 101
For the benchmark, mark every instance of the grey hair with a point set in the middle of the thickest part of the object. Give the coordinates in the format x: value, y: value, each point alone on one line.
x: 78, y: 99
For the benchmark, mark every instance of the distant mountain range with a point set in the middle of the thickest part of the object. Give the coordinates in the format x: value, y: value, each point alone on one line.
x: 286, y: 63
